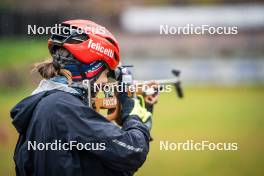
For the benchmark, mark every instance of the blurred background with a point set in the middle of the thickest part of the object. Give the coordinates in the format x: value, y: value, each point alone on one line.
x: 222, y: 75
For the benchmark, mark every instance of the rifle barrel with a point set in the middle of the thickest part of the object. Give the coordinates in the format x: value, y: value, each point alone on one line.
x: 159, y: 81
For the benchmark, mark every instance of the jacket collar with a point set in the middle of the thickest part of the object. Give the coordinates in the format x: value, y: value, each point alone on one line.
x: 56, y: 83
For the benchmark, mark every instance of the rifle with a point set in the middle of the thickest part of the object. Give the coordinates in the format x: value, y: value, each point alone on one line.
x: 142, y: 88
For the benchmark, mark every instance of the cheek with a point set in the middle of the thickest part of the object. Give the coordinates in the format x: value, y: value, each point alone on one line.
x: 102, y: 79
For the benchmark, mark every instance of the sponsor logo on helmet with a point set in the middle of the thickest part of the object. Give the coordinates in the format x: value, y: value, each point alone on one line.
x: 97, y: 47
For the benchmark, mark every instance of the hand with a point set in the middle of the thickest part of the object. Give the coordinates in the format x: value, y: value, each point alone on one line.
x: 151, y: 96
x: 140, y: 111
x: 151, y: 99
x: 131, y: 106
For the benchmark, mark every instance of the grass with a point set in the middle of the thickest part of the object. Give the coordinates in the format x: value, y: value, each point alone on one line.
x: 216, y: 115
x: 22, y: 52
x: 213, y: 114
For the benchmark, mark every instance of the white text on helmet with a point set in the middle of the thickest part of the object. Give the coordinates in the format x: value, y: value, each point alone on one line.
x: 99, y: 48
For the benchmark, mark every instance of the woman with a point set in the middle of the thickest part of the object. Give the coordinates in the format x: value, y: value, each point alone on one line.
x: 58, y: 133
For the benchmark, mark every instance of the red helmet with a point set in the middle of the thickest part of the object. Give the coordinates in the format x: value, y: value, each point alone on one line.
x: 87, y: 42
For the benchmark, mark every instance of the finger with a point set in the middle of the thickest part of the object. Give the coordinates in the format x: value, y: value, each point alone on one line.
x: 150, y: 100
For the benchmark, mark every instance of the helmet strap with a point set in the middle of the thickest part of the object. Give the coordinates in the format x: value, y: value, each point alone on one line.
x: 79, y: 66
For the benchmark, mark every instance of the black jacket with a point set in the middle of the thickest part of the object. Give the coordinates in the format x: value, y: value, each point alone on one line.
x: 59, y: 116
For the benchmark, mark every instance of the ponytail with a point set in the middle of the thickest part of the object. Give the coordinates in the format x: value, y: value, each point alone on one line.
x: 47, y: 70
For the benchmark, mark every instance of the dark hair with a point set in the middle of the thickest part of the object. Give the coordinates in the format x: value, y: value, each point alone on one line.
x: 48, y: 70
